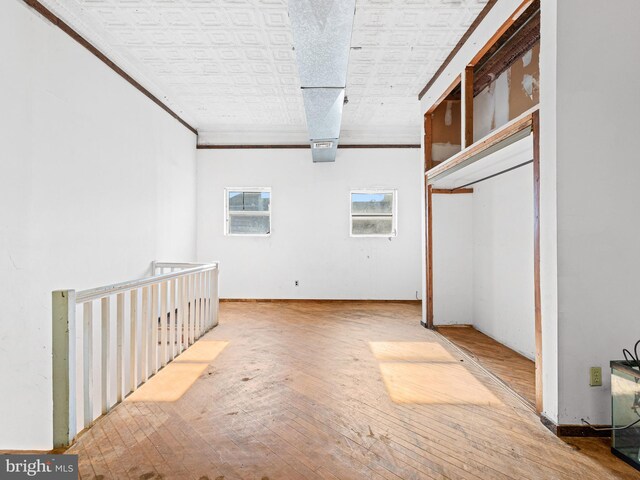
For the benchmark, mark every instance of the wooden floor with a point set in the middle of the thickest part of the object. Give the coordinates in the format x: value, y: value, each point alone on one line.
x: 324, y: 391
x: 517, y: 371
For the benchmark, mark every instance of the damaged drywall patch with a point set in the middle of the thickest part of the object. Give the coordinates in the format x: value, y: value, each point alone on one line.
x: 502, y: 107
x: 443, y: 151
x: 513, y: 92
x: 528, y: 83
x: 448, y: 114
x: 446, y: 130
x: 529, y: 80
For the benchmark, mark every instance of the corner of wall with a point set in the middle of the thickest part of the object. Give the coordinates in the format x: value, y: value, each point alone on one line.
x: 548, y: 208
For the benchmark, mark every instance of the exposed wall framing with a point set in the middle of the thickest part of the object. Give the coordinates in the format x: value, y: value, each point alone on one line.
x: 429, y: 238
x: 509, y: 48
x: 467, y: 106
x: 517, y: 38
x: 528, y: 123
x: 451, y: 191
x: 481, y: 99
x: 535, y: 129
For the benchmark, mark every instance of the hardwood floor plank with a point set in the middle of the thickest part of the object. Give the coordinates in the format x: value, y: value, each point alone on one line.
x: 512, y: 368
x: 322, y: 390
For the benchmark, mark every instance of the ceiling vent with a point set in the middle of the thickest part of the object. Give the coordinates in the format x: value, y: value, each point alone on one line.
x: 322, y: 39
x: 322, y: 145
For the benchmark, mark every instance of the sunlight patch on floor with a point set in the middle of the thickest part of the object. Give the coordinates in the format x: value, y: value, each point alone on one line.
x: 427, y: 373
x: 173, y: 381
x: 202, y: 351
x: 410, y: 351
x: 434, y: 383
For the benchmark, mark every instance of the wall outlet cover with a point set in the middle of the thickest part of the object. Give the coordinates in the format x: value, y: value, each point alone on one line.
x: 595, y: 376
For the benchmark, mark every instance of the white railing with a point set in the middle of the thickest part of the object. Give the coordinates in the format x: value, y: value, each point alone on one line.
x: 154, y: 320
x: 160, y: 268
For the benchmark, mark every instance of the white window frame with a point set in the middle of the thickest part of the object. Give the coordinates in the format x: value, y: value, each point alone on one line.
x: 394, y: 212
x: 228, y: 213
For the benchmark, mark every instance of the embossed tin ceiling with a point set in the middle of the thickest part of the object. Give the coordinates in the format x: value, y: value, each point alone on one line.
x: 228, y: 68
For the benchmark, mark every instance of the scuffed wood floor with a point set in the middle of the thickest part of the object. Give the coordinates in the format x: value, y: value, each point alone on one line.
x: 318, y: 390
x: 517, y: 371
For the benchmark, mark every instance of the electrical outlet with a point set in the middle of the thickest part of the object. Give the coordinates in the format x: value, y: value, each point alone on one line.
x: 595, y: 377
x: 297, y: 283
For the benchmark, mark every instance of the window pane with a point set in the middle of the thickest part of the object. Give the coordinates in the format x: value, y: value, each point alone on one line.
x: 249, y: 201
x: 235, y: 201
x: 372, y: 226
x: 371, y: 203
x: 256, y: 201
x: 249, y: 224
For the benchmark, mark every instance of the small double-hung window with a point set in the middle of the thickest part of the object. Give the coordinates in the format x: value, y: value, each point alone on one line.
x: 248, y: 211
x: 373, y: 213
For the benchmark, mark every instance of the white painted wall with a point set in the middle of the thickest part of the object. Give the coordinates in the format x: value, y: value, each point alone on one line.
x: 483, y: 256
x: 452, y: 259
x: 503, y: 303
x: 597, y: 175
x: 97, y: 181
x: 310, y: 239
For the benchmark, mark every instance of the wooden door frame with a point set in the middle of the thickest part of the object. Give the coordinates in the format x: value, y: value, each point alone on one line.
x: 530, y: 121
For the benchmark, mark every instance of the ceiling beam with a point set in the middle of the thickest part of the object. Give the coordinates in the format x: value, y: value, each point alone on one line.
x: 262, y: 147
